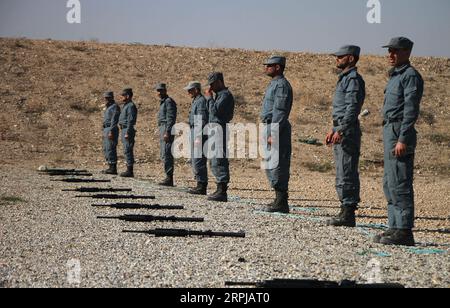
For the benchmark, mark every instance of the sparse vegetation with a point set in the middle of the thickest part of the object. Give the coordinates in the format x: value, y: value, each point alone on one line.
x: 427, y: 117
x: 11, y: 200
x: 319, y: 167
x: 439, y: 138
x: 84, y: 108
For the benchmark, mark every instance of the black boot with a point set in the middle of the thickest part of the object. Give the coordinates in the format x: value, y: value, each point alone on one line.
x: 346, y: 218
x: 399, y: 238
x: 377, y: 238
x: 129, y: 173
x: 168, y: 182
x: 201, y: 189
x: 280, y: 205
x: 112, y: 170
x: 221, y: 193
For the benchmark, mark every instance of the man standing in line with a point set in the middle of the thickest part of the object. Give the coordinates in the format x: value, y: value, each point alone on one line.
x: 110, y: 133
x: 276, y: 108
x: 127, y: 123
x: 345, y: 137
x: 167, y: 118
x: 401, y: 110
x: 221, y: 112
x: 198, y: 119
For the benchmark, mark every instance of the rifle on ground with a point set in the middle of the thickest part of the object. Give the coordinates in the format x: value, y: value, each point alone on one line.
x: 187, y: 233
x: 56, y: 170
x: 98, y: 190
x: 312, y: 284
x: 138, y: 206
x: 106, y: 196
x: 69, y: 174
x: 81, y: 181
x: 150, y: 218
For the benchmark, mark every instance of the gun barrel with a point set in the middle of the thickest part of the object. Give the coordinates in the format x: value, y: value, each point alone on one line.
x: 106, y: 196
x: 81, y: 181
x: 138, y: 206
x: 94, y: 190
x: 187, y: 233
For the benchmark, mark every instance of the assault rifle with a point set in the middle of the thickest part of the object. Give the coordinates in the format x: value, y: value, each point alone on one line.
x: 98, y: 190
x: 81, y: 181
x: 187, y: 233
x: 106, y: 196
x: 150, y: 218
x: 138, y: 206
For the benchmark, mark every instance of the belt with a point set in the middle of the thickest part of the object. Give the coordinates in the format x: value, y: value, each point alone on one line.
x: 390, y: 121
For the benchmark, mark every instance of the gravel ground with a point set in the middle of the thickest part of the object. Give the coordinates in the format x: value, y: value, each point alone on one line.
x: 46, y: 234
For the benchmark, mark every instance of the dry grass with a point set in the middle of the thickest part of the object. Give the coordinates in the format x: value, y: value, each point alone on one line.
x: 63, y: 81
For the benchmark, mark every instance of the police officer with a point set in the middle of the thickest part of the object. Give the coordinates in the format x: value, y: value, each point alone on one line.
x: 221, y: 112
x: 276, y: 108
x: 167, y: 118
x: 401, y: 109
x: 198, y: 119
x: 127, y: 123
x: 345, y: 137
x: 110, y: 133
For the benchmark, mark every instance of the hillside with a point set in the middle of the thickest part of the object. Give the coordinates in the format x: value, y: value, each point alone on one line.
x: 51, y: 97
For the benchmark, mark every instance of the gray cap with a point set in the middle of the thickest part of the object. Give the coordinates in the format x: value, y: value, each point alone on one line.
x: 348, y: 50
x: 276, y: 60
x: 213, y: 77
x: 400, y: 43
x: 161, y: 86
x: 193, y: 85
x: 127, y: 92
x: 108, y: 94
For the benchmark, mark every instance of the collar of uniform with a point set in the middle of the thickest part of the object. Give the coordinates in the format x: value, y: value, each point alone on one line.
x: 278, y: 77
x: 345, y: 73
x: 163, y: 100
x: 399, y: 70
x: 222, y: 91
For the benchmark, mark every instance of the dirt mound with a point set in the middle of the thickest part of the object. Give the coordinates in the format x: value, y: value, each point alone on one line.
x: 51, y: 97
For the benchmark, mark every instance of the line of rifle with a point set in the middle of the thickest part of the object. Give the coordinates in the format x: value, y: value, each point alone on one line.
x: 187, y: 233
x: 70, y: 174
x: 111, y: 196
x: 138, y: 206
x: 98, y: 190
x: 150, y: 218
x: 56, y: 170
x: 81, y: 181
x: 312, y: 284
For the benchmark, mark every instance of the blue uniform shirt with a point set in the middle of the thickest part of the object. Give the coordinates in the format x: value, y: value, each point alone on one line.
x: 111, y: 117
x: 128, y: 116
x: 167, y: 115
x: 403, y: 94
x: 199, y: 108
x: 221, y: 109
x: 348, y: 100
x: 277, y: 104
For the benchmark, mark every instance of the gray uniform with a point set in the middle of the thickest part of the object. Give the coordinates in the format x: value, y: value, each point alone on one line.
x: 221, y: 111
x: 401, y: 109
x: 276, y: 108
x: 199, y: 165
x: 167, y: 118
x: 347, y: 104
x: 127, y: 123
x: 110, y: 125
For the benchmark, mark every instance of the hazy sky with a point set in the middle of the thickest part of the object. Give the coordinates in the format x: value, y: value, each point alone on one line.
x: 293, y: 25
